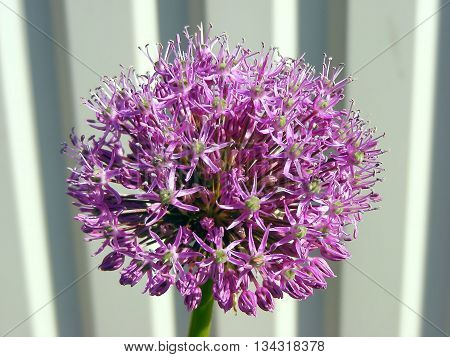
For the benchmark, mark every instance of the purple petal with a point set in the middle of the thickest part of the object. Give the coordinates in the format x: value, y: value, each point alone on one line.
x: 208, y: 162
x: 238, y: 220
x: 179, y: 204
x: 202, y: 243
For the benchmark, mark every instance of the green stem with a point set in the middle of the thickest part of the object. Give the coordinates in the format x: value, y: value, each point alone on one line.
x: 200, y: 325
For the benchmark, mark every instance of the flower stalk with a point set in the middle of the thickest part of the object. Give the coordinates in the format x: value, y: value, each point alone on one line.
x: 200, y: 325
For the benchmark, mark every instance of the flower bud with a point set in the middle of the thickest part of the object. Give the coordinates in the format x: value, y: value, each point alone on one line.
x: 293, y: 289
x: 131, y: 274
x: 202, y: 275
x: 159, y: 286
x: 314, y: 277
x: 207, y: 223
x: 264, y: 299
x: 247, y: 302
x: 273, y: 288
x: 334, y: 252
x: 193, y: 300
x: 223, y: 296
x: 323, y: 266
x: 186, y: 284
x: 112, y: 261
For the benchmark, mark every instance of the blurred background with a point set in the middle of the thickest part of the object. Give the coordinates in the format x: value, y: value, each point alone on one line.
x: 53, y: 51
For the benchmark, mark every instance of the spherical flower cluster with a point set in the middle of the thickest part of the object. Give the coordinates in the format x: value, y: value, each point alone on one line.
x: 224, y: 165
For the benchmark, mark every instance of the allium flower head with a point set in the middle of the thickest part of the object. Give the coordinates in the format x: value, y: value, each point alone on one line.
x: 226, y: 165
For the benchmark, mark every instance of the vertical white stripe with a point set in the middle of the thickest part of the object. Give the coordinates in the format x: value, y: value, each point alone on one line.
x: 285, y: 37
x: 284, y: 28
x: 162, y: 319
x: 382, y: 91
x: 145, y: 26
x: 251, y: 20
x: 286, y: 317
x: 419, y: 166
x: 19, y: 119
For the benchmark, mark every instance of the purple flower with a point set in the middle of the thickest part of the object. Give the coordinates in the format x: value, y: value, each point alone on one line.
x: 264, y: 299
x: 274, y: 288
x: 193, y: 300
x: 224, y: 165
x: 112, y: 261
x: 247, y: 302
x: 167, y: 195
x: 249, y: 204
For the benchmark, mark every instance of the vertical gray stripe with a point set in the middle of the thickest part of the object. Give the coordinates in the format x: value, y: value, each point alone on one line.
x: 437, y: 280
x: 322, y: 26
x: 48, y: 125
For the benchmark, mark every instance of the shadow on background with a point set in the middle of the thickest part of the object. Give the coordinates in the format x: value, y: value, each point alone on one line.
x: 437, y: 292
x: 49, y: 126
